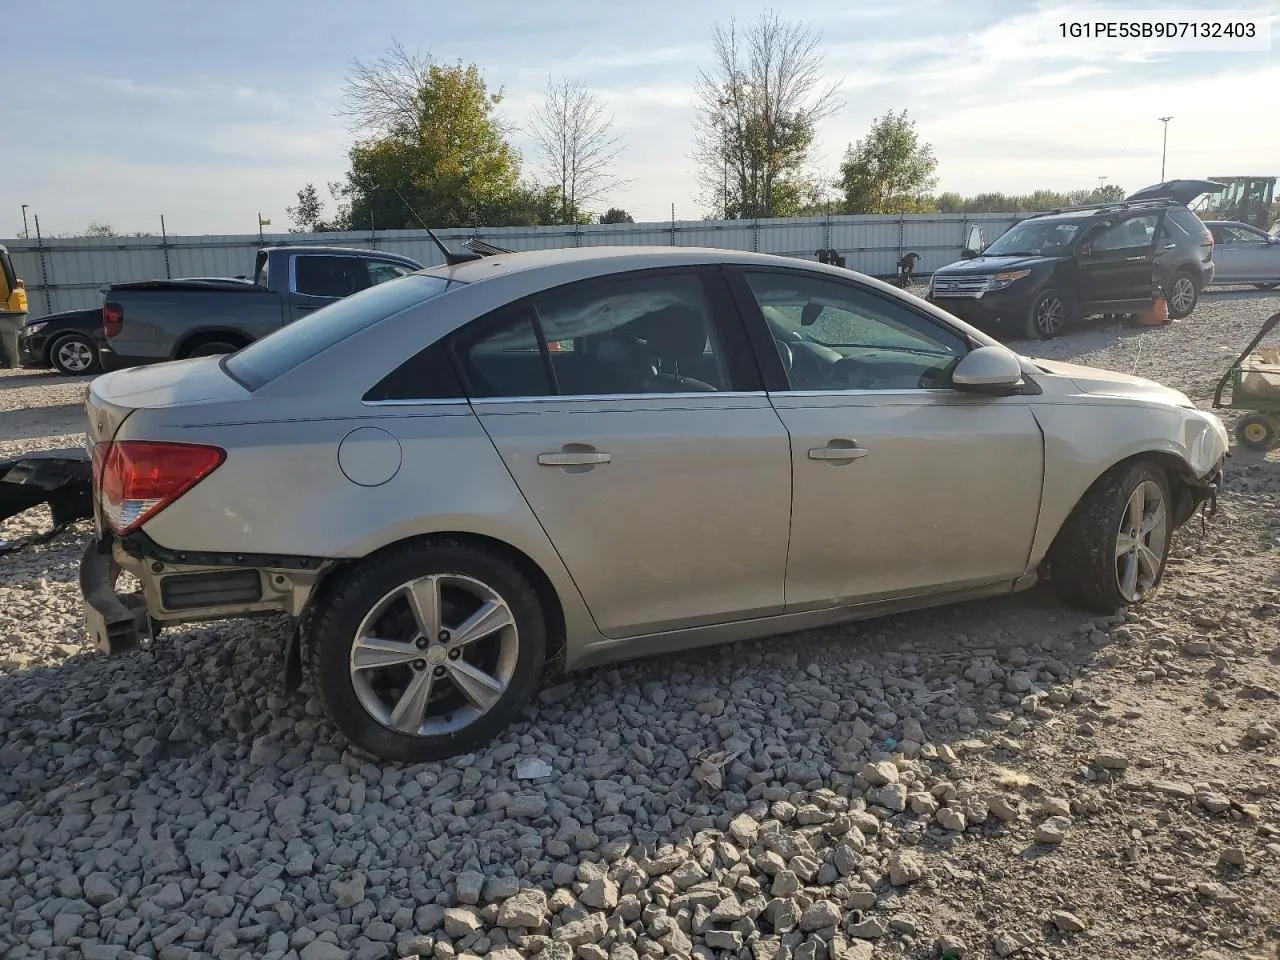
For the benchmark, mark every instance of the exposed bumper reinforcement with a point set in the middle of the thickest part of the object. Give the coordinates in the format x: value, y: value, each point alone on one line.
x: 117, y: 623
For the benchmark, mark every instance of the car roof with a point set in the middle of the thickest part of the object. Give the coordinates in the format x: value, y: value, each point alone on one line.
x: 612, y: 259
x: 344, y: 251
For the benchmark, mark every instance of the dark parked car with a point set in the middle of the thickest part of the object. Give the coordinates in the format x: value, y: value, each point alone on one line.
x: 68, y: 342
x: 1049, y: 271
x: 151, y: 321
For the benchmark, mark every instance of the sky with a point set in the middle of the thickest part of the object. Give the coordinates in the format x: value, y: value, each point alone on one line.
x: 211, y: 113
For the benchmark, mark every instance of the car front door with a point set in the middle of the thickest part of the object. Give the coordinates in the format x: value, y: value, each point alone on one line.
x: 631, y: 415
x: 1244, y: 256
x: 1116, y: 264
x: 901, y: 484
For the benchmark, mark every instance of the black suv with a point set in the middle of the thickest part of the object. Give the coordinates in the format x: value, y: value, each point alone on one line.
x: 1050, y: 270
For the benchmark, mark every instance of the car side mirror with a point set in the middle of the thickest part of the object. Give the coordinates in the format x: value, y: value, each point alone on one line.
x: 1084, y: 250
x: 969, y: 254
x: 987, y: 370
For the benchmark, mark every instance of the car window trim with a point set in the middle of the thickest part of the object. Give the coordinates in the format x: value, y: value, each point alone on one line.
x: 726, y: 323
x: 776, y: 380
x: 364, y: 257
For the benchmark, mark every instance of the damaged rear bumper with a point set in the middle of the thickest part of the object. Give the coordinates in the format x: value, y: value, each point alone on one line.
x: 61, y: 478
x: 183, y: 588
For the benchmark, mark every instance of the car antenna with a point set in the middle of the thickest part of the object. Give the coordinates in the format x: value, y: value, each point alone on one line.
x: 450, y: 257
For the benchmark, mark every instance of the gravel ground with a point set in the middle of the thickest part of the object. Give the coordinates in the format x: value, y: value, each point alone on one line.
x: 998, y: 779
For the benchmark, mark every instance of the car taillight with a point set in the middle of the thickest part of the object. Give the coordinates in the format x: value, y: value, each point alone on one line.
x: 1208, y: 238
x: 112, y: 319
x: 136, y: 479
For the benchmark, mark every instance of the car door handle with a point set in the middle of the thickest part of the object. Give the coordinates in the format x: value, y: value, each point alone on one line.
x: 1134, y: 259
x: 574, y: 458
x: 841, y: 451
x: 1170, y: 246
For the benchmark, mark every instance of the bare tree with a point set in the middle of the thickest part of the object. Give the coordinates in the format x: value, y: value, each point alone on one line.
x: 383, y: 97
x: 757, y: 111
x: 576, y: 145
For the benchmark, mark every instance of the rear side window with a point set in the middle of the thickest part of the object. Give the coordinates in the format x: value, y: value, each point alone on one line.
x: 264, y: 360
x: 1187, y: 221
x: 316, y: 276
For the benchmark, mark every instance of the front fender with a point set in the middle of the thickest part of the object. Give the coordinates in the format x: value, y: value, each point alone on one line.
x: 1084, y: 440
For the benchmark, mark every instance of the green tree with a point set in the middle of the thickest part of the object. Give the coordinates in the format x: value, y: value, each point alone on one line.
x: 616, y: 215
x: 433, y: 149
x: 757, y: 113
x: 306, y: 214
x: 890, y: 170
x: 96, y: 229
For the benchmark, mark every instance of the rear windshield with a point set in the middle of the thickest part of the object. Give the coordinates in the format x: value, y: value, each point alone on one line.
x: 264, y: 360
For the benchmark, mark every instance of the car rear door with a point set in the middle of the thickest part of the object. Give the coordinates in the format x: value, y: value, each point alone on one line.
x: 902, y: 486
x: 631, y: 415
x: 1117, y: 263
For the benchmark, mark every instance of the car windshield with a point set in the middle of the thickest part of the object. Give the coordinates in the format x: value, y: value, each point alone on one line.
x: 1035, y: 238
x: 264, y: 360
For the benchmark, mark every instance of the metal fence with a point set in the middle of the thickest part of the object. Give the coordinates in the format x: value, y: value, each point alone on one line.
x: 69, y: 273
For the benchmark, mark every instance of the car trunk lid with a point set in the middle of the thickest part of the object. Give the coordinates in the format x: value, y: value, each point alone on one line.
x: 1181, y: 191
x: 112, y: 397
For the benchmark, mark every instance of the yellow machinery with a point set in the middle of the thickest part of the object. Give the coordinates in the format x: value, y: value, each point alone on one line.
x: 13, y: 308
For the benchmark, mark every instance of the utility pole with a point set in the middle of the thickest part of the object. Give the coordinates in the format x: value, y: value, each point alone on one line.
x: 26, y: 233
x: 1165, y: 148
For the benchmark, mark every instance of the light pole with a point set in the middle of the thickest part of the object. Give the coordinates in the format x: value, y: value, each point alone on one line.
x: 26, y: 234
x: 1164, y: 149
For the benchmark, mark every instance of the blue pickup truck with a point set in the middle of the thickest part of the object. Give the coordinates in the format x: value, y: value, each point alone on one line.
x: 150, y: 321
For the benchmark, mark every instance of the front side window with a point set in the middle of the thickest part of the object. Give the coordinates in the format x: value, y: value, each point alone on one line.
x: 835, y: 336
x: 641, y: 335
x: 1134, y: 233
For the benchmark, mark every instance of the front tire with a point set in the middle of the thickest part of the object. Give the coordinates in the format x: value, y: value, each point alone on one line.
x: 1111, y: 552
x: 1049, y: 315
x: 1184, y: 294
x: 427, y: 651
x: 74, y: 355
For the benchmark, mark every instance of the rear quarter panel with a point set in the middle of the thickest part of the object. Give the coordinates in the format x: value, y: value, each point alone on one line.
x: 282, y: 490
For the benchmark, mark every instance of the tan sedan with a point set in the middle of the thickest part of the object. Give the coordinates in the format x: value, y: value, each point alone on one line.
x: 479, y: 475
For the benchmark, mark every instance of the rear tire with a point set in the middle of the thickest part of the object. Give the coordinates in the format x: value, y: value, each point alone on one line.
x: 1049, y: 315
x: 1257, y: 431
x: 74, y: 355
x: 408, y: 697
x: 1184, y: 294
x: 1096, y: 562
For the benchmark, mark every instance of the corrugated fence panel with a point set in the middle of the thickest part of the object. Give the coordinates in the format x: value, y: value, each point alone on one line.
x: 66, y: 274
x: 793, y: 238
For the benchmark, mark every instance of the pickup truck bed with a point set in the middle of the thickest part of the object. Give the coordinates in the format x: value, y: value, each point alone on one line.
x: 151, y: 321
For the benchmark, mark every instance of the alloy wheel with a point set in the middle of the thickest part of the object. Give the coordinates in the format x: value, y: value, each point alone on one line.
x: 1183, y: 297
x: 1051, y: 314
x: 1140, y: 541
x: 74, y: 356
x: 434, y: 655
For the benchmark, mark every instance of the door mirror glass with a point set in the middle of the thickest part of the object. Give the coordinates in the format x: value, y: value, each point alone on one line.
x: 987, y: 369
x: 1084, y: 250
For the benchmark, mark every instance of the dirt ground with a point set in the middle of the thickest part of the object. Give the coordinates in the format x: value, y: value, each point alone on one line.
x: 1004, y: 778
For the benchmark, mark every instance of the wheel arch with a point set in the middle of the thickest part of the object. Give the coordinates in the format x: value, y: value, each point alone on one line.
x: 1181, y: 477
x: 549, y: 598
x: 194, y: 338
